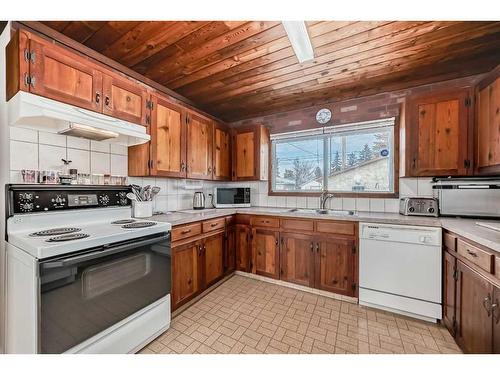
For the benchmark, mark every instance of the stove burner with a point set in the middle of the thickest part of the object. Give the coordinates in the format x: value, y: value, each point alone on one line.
x: 55, y: 232
x: 67, y: 237
x: 123, y: 221
x: 140, y: 224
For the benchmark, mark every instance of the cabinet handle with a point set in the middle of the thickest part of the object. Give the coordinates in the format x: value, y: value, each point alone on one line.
x: 414, y: 163
x: 186, y: 231
x: 471, y: 253
x: 487, y: 304
x: 496, y: 314
x: 214, y: 224
x: 97, y: 97
x: 183, y: 166
x: 312, y: 247
x: 276, y: 242
x: 209, y: 169
x: 317, y: 247
x: 106, y: 100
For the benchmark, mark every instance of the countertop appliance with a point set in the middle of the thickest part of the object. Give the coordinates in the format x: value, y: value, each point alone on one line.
x: 475, y: 196
x: 228, y: 197
x: 410, y: 206
x: 198, y: 200
x: 82, y: 275
x: 400, y: 269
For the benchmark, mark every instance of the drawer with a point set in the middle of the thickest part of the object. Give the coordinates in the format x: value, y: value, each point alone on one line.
x: 292, y: 224
x: 336, y: 227
x: 266, y: 221
x: 186, y: 231
x: 242, y: 219
x: 450, y: 241
x: 479, y: 257
x: 215, y: 224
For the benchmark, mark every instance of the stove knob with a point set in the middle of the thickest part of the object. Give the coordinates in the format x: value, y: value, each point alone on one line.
x: 411, y: 209
x: 104, y: 200
x: 59, y: 199
x: 430, y: 210
x: 27, y: 207
x: 123, y: 201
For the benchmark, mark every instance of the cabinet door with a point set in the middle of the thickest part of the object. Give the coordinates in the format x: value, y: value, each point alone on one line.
x: 297, y: 259
x: 125, y: 99
x: 496, y: 321
x: 199, y: 147
x: 437, y: 136
x: 168, y: 139
x: 221, y: 153
x: 186, y: 272
x: 230, y: 250
x: 213, y: 251
x: 474, y: 321
x: 449, y: 291
x: 64, y: 76
x: 488, y: 129
x: 242, y: 233
x: 334, y: 265
x: 245, y: 155
x: 266, y: 253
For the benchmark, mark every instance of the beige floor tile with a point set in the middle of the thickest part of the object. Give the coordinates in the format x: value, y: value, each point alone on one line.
x: 244, y: 315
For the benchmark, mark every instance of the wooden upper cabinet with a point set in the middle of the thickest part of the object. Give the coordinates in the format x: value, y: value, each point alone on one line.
x: 474, y: 300
x: 199, y: 147
x: 213, y: 258
x: 251, y: 153
x: 168, y: 138
x: 59, y: 74
x: 487, y: 142
x: 221, y: 153
x: 334, y: 265
x: 186, y: 272
x: 265, y: 251
x: 125, y: 99
x: 297, y: 258
x: 17, y: 67
x: 437, y: 134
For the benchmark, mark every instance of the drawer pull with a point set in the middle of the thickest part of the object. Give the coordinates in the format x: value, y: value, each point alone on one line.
x: 214, y: 224
x: 471, y: 253
x: 186, y: 231
x: 496, y: 313
x: 487, y: 304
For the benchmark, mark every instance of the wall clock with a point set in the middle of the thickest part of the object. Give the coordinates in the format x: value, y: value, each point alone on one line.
x: 323, y: 116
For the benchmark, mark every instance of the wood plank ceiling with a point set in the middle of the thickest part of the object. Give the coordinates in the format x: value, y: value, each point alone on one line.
x: 237, y: 69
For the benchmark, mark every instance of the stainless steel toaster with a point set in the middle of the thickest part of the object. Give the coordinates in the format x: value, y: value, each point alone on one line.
x: 418, y: 206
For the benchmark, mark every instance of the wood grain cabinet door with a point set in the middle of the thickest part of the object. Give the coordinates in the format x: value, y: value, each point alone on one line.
x: 266, y: 253
x: 186, y: 272
x: 243, y: 250
x: 297, y: 258
x: 488, y: 129
x: 474, y: 321
x: 334, y: 265
x: 437, y: 136
x: 64, y: 76
x: 213, y: 259
x: 221, y: 153
x: 125, y: 100
x: 199, y: 147
x: 245, y: 155
x: 230, y: 250
x: 449, y: 291
x: 496, y: 321
x: 168, y: 138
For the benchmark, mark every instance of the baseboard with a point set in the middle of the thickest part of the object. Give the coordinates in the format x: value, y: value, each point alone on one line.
x: 318, y: 292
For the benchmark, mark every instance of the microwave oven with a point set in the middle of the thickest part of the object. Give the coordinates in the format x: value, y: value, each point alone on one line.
x: 227, y: 197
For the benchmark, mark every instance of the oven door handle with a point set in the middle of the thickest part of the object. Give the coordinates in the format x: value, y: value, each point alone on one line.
x: 102, y: 252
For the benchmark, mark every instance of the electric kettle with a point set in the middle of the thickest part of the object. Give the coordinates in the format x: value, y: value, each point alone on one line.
x: 198, y: 200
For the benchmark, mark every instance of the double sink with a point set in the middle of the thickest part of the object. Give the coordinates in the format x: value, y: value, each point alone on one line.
x: 323, y: 212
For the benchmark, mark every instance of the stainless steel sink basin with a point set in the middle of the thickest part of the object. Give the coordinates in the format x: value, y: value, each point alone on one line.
x: 323, y: 212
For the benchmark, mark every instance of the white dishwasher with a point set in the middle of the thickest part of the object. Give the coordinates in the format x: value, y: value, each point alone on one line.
x: 400, y: 269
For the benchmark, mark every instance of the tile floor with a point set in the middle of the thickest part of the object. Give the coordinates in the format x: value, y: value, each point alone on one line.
x: 245, y: 315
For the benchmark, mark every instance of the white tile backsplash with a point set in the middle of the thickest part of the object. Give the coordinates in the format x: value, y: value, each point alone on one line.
x: 408, y: 187
x: 80, y: 159
x: 24, y: 135
x: 52, y: 139
x: 119, y: 149
x: 119, y: 165
x: 100, y: 163
x: 79, y: 143
x: 100, y: 146
x: 349, y: 203
x: 424, y: 187
x: 377, y: 205
x: 391, y: 205
x: 50, y: 157
x: 23, y: 155
x: 363, y: 204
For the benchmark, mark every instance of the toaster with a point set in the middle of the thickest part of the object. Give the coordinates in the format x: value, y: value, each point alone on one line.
x: 418, y: 206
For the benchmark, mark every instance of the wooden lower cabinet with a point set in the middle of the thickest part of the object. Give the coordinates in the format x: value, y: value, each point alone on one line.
x: 334, y: 265
x: 243, y: 249
x: 496, y: 321
x: 474, y: 321
x: 297, y: 258
x: 213, y: 248
x: 186, y: 275
x: 449, y: 291
x: 230, y: 250
x: 266, y: 252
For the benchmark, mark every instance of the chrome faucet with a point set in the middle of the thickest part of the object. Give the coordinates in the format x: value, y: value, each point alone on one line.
x: 325, y: 195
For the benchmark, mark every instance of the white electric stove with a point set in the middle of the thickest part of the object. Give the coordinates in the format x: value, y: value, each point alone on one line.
x: 83, y: 276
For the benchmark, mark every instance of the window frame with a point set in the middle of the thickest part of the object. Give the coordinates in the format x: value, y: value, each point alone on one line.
x: 395, y: 167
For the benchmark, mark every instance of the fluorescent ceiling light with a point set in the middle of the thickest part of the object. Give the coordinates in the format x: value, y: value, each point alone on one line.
x: 298, y: 36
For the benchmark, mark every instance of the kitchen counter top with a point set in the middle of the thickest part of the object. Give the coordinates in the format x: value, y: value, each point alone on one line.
x: 464, y: 227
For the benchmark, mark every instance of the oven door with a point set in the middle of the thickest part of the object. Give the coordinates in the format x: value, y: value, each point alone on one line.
x: 85, y: 293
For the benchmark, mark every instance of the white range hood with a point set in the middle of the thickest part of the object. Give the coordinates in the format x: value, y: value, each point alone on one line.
x: 35, y: 112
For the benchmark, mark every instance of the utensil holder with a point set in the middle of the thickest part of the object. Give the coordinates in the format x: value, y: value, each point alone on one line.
x: 142, y: 209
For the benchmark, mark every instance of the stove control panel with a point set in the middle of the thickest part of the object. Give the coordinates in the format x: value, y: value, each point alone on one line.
x: 39, y: 198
